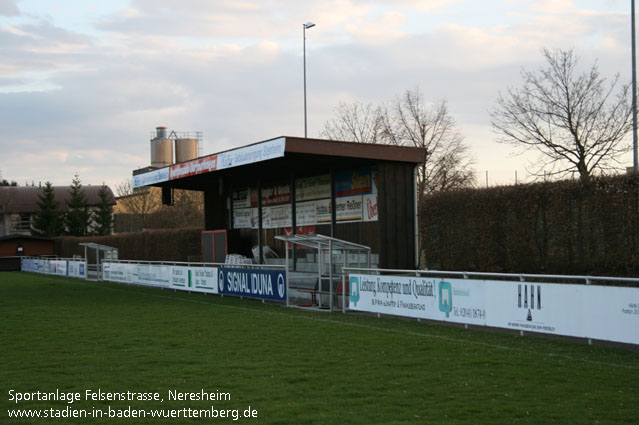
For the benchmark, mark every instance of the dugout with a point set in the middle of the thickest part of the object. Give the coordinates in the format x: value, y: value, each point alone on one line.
x: 362, y: 193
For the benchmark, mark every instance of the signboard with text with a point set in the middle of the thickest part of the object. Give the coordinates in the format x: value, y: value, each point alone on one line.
x: 252, y: 283
x: 585, y: 311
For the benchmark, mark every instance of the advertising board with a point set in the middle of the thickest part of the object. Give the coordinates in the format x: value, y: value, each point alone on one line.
x: 151, y: 177
x: 253, y: 153
x: 252, y: 283
x: 453, y: 300
x: 196, y: 279
x: 193, y: 167
x: 76, y: 269
x: 585, y: 311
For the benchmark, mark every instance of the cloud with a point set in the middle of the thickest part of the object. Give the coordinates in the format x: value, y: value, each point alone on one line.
x: 9, y: 8
x: 233, y: 70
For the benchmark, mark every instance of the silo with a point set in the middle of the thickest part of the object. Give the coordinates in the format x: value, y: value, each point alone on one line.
x: 185, y: 149
x: 161, y: 149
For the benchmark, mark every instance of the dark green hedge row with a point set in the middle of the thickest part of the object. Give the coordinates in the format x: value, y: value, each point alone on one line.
x: 565, y: 227
x: 151, y: 245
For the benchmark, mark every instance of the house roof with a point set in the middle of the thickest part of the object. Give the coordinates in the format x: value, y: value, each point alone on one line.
x: 24, y: 199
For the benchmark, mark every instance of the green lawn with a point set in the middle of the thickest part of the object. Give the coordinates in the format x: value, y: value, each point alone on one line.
x: 290, y: 366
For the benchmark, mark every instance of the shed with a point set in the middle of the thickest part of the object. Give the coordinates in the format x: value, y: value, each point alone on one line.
x: 25, y: 245
x: 13, y: 247
x: 362, y: 193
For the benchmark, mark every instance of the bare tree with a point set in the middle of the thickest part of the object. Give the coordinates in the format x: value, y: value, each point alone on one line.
x: 187, y: 209
x: 412, y: 122
x: 409, y: 121
x: 142, y: 201
x: 357, y: 122
x: 575, y: 122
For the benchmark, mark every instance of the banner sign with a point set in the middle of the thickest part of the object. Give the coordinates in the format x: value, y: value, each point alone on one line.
x: 151, y: 177
x: 196, y: 279
x: 585, y: 311
x: 419, y: 297
x: 371, y: 212
x: 355, y: 182
x: 193, y: 167
x: 71, y: 268
x: 119, y: 272
x: 34, y: 265
x: 234, y: 158
x: 349, y: 208
x: 76, y: 269
x: 153, y: 275
x: 253, y: 153
x: 310, y: 188
x: 252, y: 283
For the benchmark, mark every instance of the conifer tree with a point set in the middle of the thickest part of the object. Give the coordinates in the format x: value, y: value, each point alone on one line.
x: 77, y: 218
x: 103, y: 217
x: 48, y: 220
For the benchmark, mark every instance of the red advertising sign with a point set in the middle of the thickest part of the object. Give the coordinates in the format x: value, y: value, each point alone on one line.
x: 202, y: 165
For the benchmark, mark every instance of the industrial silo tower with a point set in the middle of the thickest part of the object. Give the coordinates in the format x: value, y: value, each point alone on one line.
x: 161, y: 149
x: 186, y: 145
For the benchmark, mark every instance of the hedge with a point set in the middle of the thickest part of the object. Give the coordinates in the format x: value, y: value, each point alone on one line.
x: 151, y: 245
x: 566, y: 227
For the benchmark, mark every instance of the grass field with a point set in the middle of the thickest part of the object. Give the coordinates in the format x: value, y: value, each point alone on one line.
x: 289, y: 366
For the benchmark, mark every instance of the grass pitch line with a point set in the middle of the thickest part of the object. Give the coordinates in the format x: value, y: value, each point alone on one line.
x: 383, y: 329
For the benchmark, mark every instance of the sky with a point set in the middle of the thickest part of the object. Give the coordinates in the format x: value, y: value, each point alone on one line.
x: 84, y: 83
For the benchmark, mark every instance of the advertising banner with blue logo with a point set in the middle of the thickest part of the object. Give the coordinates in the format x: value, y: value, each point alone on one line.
x: 252, y: 283
x: 450, y: 300
x: 71, y: 268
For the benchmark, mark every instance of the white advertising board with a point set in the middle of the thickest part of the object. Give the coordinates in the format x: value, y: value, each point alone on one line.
x: 309, y: 188
x: 152, y: 177
x: 153, y: 275
x: 34, y: 265
x: 76, y: 269
x: 612, y: 313
x: 250, y: 154
x: 306, y: 214
x: 196, y: 279
x: 370, y: 210
x: 349, y: 208
x: 585, y: 311
x: 119, y: 272
x: 57, y: 267
x: 453, y: 300
x: 536, y: 307
x: 242, y: 218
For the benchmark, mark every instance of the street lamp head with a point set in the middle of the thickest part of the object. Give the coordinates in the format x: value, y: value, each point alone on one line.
x: 308, y: 25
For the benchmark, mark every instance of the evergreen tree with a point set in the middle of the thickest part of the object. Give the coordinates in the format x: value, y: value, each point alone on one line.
x: 103, y: 217
x: 48, y: 220
x: 77, y: 218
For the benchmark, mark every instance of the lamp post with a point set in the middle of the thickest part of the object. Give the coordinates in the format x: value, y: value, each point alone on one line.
x: 634, y: 90
x: 305, y: 26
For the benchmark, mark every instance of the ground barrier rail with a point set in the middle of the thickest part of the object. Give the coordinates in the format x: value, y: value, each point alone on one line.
x: 546, y: 304
x: 261, y: 281
x: 584, y: 308
x: 72, y: 267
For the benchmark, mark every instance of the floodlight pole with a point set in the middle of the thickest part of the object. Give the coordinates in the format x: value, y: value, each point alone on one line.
x: 305, y: 26
x: 635, y: 165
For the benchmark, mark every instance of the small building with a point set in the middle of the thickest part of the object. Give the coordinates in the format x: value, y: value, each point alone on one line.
x: 26, y: 245
x: 361, y: 193
x: 19, y: 204
x: 15, y: 246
